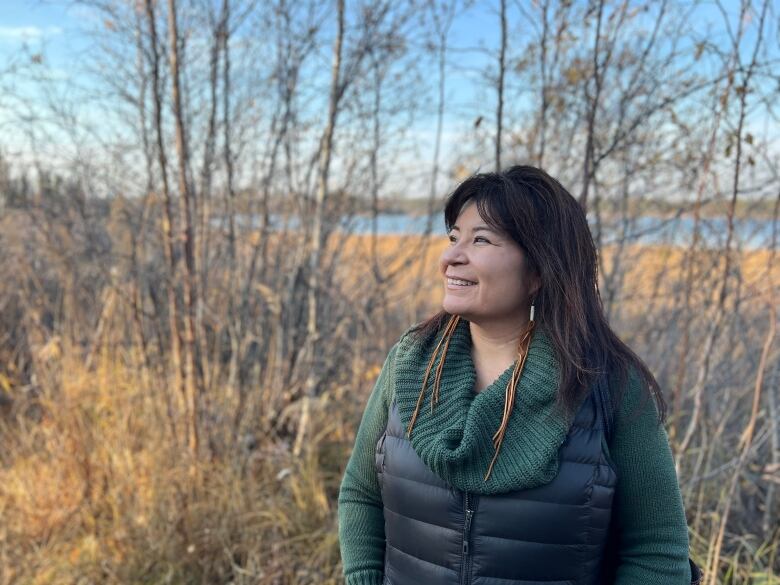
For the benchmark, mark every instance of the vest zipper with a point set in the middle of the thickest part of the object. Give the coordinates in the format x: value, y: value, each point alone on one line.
x: 466, y: 560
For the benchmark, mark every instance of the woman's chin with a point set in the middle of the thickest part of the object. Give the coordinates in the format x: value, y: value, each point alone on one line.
x: 455, y: 309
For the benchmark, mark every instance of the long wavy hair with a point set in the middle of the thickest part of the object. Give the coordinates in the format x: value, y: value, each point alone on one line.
x: 550, y: 226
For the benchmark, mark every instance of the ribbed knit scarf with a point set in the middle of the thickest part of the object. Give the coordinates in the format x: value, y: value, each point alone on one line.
x: 455, y: 441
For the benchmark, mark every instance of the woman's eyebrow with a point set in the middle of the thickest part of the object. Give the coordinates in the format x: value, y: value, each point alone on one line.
x: 479, y: 228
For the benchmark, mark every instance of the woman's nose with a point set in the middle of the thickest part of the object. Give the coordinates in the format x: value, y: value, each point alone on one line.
x: 453, y: 255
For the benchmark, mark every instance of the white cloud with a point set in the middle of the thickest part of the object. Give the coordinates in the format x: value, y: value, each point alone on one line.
x: 27, y: 33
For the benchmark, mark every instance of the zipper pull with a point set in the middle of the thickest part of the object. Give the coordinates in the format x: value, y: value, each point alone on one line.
x: 467, y: 531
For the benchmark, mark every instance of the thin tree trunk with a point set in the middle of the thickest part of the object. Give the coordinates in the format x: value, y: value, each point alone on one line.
x: 168, y: 219
x: 380, y: 290
x: 188, y: 237
x: 235, y: 329
x: 501, y: 72
x: 593, y: 104
x: 542, y: 131
x: 767, y: 523
x: 231, y: 192
x: 202, y: 203
x: 774, y: 384
x: 326, y: 148
x: 138, y: 237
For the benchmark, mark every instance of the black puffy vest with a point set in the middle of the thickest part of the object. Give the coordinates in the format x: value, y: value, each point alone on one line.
x: 552, y: 534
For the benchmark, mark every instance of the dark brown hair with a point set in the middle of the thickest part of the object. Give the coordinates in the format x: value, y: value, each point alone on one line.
x: 541, y: 216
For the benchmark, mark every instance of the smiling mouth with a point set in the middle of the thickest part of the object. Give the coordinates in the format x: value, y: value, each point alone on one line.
x: 459, y: 282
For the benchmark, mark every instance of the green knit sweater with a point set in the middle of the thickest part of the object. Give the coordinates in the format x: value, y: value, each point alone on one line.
x: 455, y: 441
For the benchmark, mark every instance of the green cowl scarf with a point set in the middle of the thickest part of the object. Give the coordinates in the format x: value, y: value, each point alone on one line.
x: 455, y: 441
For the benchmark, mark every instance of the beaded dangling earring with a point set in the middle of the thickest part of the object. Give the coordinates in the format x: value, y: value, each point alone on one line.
x: 511, y: 388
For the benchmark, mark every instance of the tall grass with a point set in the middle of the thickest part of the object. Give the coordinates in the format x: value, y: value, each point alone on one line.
x: 93, y: 491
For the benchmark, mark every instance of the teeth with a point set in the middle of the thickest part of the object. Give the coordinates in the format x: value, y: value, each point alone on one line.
x: 460, y: 282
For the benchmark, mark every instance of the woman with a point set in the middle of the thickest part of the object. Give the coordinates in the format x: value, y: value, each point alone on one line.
x: 511, y: 438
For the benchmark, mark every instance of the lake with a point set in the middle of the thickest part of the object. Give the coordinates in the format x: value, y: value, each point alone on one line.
x: 750, y: 233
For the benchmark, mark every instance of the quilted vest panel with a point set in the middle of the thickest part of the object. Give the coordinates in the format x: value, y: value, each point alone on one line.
x: 552, y: 534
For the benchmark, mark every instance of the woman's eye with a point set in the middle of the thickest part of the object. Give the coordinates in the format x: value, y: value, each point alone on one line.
x: 453, y: 239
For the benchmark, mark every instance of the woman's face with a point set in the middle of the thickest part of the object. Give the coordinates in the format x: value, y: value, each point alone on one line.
x: 485, y: 274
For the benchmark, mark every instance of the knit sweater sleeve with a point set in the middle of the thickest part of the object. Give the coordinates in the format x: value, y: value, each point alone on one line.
x: 361, y: 516
x: 653, y: 541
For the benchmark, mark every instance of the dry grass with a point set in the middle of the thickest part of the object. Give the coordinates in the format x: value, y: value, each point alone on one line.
x: 92, y: 490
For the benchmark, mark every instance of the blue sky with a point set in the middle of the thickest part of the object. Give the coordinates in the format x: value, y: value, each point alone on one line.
x: 62, y: 27
x: 56, y: 24
x: 60, y: 30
